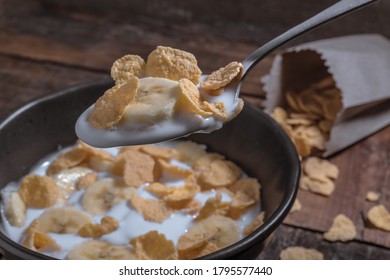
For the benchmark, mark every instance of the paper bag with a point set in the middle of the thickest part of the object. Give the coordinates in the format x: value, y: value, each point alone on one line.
x: 360, y: 66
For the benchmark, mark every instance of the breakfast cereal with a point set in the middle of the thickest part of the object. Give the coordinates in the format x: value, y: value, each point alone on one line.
x: 379, y: 217
x: 111, y: 106
x: 126, y: 66
x: 220, y: 231
x: 154, y: 246
x: 372, y: 196
x: 222, y: 77
x: 66, y: 160
x: 213, y: 206
x: 256, y: 223
x: 101, y: 250
x: 15, y: 209
x: 38, y: 191
x: 135, y: 167
x: 320, y: 169
x: 300, y: 253
x: 174, y: 64
x: 121, y: 216
x: 342, y: 229
x: 297, y: 206
x: 154, y: 210
x: 107, y: 225
x: 318, y: 176
x: 40, y: 241
x: 190, y: 98
x: 165, y: 98
x: 309, y: 115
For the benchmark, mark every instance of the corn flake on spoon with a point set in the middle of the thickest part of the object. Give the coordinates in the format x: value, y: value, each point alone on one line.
x: 132, y: 133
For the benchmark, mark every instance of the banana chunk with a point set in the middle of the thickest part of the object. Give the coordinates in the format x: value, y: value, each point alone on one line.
x: 67, y: 180
x: 103, y: 194
x: 155, y: 100
x: 60, y: 220
x: 100, y: 250
x: 15, y: 209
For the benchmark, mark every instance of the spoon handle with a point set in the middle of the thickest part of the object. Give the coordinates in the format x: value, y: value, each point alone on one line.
x: 339, y: 9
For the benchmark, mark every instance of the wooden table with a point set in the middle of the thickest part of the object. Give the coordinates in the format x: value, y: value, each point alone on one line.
x: 46, y: 46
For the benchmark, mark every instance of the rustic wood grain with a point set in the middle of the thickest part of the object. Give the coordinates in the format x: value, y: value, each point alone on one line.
x: 23, y: 80
x: 91, y: 43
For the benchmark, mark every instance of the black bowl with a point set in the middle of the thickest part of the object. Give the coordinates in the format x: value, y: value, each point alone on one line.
x: 253, y: 140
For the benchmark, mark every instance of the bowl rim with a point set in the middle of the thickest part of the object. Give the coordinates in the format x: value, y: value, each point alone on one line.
x: 261, y: 233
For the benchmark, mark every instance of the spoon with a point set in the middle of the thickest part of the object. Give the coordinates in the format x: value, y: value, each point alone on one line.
x: 169, y: 130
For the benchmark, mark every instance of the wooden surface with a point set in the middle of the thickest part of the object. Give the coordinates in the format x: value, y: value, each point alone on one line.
x: 47, y: 45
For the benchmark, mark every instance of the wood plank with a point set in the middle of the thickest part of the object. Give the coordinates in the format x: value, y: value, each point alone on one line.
x: 94, y: 44
x: 286, y: 236
x: 22, y: 80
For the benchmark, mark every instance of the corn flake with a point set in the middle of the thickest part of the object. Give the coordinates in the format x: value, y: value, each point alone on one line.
x: 66, y: 160
x: 189, y: 99
x: 180, y: 196
x: 195, y: 246
x: 40, y: 241
x: 240, y: 203
x: 107, y: 225
x: 320, y: 169
x: 153, y: 210
x: 136, y: 168
x: 154, y: 246
x: 250, y: 186
x: 217, y: 109
x: 174, y: 64
x: 372, y: 196
x: 159, y: 189
x: 126, y: 67
x: 255, y: 224
x: 379, y: 217
x: 110, y: 107
x: 324, y: 186
x: 216, y: 172
x: 173, y: 169
x: 38, y: 191
x: 223, y: 76
x: 297, y: 206
x: 213, y: 206
x: 190, y: 152
x: 159, y: 152
x: 300, y: 253
x: 86, y: 180
x: 342, y: 229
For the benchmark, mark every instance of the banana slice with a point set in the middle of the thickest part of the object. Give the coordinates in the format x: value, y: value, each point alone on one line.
x: 103, y: 194
x: 155, y: 101
x: 15, y: 209
x: 61, y: 220
x: 100, y: 250
x: 213, y: 232
x: 67, y: 179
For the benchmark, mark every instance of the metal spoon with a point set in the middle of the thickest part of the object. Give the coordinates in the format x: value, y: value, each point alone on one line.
x: 163, y: 132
